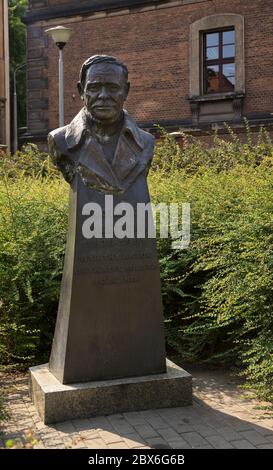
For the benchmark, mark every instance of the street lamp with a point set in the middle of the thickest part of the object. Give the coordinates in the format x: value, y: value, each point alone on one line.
x: 60, y: 36
x: 15, y: 117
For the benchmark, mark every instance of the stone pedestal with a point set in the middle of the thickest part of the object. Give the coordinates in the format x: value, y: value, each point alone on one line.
x: 57, y: 402
x: 110, y: 320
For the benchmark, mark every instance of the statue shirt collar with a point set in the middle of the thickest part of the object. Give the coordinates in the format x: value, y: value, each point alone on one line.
x: 76, y: 130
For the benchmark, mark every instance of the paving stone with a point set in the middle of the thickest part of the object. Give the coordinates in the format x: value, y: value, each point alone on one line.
x: 218, y: 442
x: 49, y: 433
x: 194, y: 439
x: 203, y: 429
x: 171, y: 415
x: 47, y: 437
x: 109, y: 437
x: 24, y: 422
x: 243, y: 444
x: 41, y: 425
x: 229, y: 433
x: 95, y: 444
x: 134, y: 418
x: 90, y: 434
x: 81, y: 424
x: 254, y: 437
x: 180, y: 428
x: 217, y: 423
x: 265, y: 446
x: 134, y: 440
x: 79, y: 445
x: 244, y: 415
x: 66, y: 427
x: 168, y: 434
x: 238, y: 424
x: 146, y: 414
x: 118, y: 445
x: 68, y: 443
x: 118, y: 421
x: 158, y: 443
x: 179, y: 444
x: 35, y: 419
x: 17, y: 406
x: 157, y: 422
x: 146, y: 431
x: 123, y: 427
x: 269, y: 437
x: 205, y: 447
x: 54, y: 442
x: 264, y: 428
x: 101, y: 422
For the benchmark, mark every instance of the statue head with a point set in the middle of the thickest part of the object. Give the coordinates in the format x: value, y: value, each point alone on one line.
x: 104, y: 87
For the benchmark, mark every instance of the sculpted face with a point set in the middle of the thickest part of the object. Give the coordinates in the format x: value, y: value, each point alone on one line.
x: 105, y: 91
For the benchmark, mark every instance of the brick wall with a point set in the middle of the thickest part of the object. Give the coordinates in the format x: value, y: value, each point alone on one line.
x: 37, y: 80
x: 156, y: 58
x: 155, y: 46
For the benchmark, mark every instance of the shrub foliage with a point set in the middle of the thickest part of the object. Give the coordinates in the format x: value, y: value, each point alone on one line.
x: 33, y: 212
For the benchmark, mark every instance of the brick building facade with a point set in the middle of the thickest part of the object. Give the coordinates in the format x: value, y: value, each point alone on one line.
x: 4, y: 76
x: 193, y: 64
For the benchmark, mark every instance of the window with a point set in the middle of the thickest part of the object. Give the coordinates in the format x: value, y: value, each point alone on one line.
x: 217, y: 68
x: 219, y: 61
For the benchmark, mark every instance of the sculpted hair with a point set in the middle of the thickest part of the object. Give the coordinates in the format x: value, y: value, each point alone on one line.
x: 98, y: 59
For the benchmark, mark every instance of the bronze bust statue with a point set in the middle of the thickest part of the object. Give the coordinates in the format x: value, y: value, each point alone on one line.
x: 103, y: 144
x: 110, y: 321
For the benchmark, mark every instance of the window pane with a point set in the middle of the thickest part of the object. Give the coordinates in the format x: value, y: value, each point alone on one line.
x: 229, y: 37
x: 229, y: 70
x: 212, y: 39
x: 212, y: 53
x: 232, y: 80
x: 228, y: 78
x: 212, y: 79
x: 228, y: 84
x: 228, y: 51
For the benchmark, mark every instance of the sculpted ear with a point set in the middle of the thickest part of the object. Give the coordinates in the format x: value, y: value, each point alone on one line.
x: 80, y: 89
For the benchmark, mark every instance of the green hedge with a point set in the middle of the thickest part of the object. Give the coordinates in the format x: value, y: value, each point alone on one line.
x: 217, y: 294
x: 33, y: 211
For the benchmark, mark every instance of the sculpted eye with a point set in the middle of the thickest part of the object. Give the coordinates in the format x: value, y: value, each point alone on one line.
x: 93, y: 87
x: 114, y: 87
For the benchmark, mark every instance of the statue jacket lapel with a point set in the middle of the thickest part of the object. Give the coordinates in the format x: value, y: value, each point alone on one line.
x: 76, y: 151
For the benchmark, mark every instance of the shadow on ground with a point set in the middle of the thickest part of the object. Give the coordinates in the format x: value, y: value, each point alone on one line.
x: 220, y: 418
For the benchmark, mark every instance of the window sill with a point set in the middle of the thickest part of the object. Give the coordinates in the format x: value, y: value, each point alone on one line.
x: 216, y: 107
x: 216, y: 97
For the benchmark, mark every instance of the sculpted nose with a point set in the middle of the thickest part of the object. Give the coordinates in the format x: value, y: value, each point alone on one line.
x: 103, y: 93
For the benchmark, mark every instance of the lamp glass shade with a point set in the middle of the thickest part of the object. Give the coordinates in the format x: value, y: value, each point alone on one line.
x: 60, y: 34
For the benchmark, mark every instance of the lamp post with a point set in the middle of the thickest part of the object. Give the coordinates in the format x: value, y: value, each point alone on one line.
x: 60, y: 36
x: 15, y: 118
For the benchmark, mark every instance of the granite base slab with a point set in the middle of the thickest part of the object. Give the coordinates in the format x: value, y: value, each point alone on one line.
x: 56, y: 402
